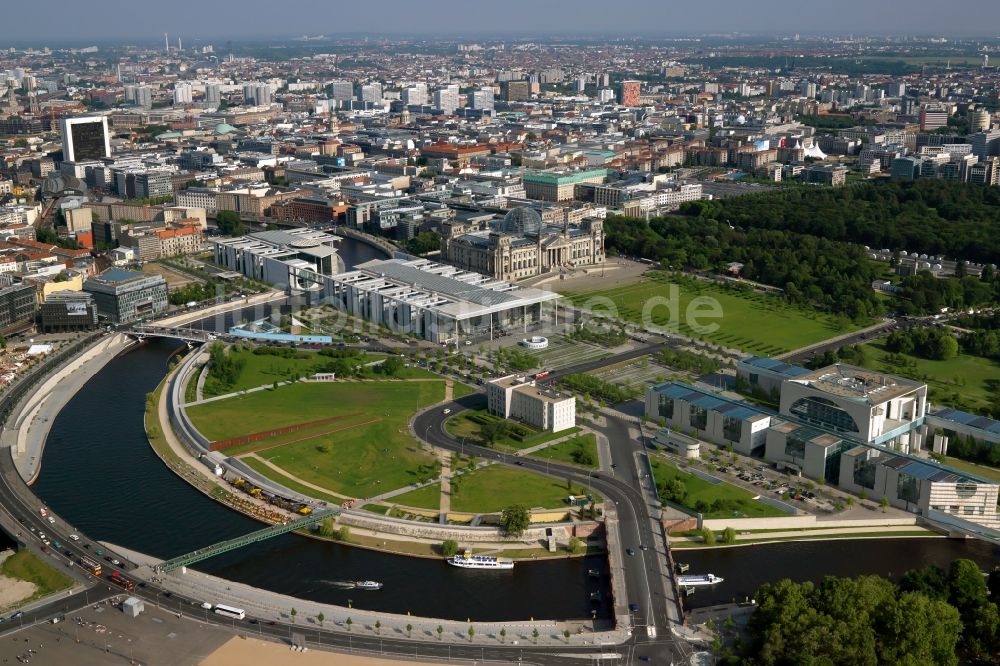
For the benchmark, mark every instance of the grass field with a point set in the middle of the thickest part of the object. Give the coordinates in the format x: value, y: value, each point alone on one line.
x: 289, y: 482
x: 985, y: 471
x: 698, y: 489
x: 428, y: 497
x: 751, y: 321
x: 23, y: 565
x: 462, y: 426
x: 460, y: 390
x: 965, y: 382
x: 492, y: 488
x: 563, y: 451
x: 359, y: 461
x: 262, y: 369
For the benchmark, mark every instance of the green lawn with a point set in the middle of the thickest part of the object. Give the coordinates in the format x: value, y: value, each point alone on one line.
x: 23, y: 565
x: 460, y: 390
x: 751, y: 321
x: 741, y: 502
x: 564, y: 451
x: 492, y: 488
x: 984, y: 471
x: 261, y: 369
x: 361, y: 461
x: 462, y: 426
x: 299, y: 403
x: 290, y: 483
x: 965, y: 382
x: 428, y: 497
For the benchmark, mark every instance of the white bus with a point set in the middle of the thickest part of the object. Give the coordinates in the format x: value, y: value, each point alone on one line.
x: 229, y: 611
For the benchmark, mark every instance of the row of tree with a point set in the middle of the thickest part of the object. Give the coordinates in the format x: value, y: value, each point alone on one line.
x: 930, y: 342
x: 927, y: 216
x: 826, y: 274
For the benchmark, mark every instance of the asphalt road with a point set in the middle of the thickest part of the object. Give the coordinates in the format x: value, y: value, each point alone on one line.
x: 857, y: 338
x: 644, y: 579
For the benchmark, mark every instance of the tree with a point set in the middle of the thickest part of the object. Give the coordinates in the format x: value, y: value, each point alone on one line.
x: 729, y: 535
x: 708, y: 536
x: 514, y: 520
x: 439, y: 630
x: 378, y: 627
x: 293, y: 613
x: 493, y: 430
x: 534, y: 634
x: 449, y: 547
x: 348, y: 622
x: 503, y: 635
x: 576, y: 546
x: 229, y: 223
x: 320, y: 618
x: 409, y: 629
x: 566, y: 634
x: 471, y: 632
x: 884, y: 503
x: 674, y: 490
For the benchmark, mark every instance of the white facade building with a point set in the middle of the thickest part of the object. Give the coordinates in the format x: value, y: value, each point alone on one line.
x: 517, y: 397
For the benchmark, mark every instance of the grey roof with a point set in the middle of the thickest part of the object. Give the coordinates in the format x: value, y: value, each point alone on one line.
x: 394, y: 269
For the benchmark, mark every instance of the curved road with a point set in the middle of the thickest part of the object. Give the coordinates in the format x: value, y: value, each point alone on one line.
x: 646, y: 581
x: 20, y: 513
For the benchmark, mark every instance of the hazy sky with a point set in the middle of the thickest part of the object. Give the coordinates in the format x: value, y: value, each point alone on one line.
x: 134, y: 20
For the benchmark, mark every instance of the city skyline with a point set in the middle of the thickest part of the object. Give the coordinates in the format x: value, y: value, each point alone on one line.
x: 72, y: 21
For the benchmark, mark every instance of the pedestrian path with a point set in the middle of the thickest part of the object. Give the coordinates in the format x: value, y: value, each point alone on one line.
x: 808, y: 534
x: 445, y: 505
x: 285, y: 473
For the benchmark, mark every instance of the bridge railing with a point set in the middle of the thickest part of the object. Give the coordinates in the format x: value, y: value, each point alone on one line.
x: 245, y: 540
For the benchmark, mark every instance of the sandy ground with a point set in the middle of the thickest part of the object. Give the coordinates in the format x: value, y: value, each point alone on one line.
x: 617, y: 272
x: 11, y: 589
x: 240, y: 652
x: 174, y: 279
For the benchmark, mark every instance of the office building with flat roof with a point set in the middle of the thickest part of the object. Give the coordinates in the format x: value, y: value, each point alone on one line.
x: 123, y: 296
x: 294, y: 259
x: 18, y: 307
x: 436, y: 302
x: 517, y: 397
x: 85, y: 138
x: 68, y: 311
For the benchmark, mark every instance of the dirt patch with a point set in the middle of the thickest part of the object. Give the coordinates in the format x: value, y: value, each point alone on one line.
x: 13, y: 590
x: 241, y: 651
x: 174, y: 278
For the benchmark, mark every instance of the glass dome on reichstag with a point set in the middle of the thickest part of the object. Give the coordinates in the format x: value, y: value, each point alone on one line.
x: 523, y: 221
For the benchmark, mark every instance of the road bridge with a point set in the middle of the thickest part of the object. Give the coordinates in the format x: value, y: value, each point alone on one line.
x: 245, y: 540
x: 190, y: 335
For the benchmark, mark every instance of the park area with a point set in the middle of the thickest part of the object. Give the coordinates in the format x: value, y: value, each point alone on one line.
x: 490, y: 489
x: 477, y: 426
x: 243, y: 367
x: 364, y: 453
x: 712, y: 500
x: 580, y: 450
x: 965, y: 382
x: 752, y: 321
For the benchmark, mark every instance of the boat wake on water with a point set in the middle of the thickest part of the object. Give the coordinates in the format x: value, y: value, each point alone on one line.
x: 354, y: 584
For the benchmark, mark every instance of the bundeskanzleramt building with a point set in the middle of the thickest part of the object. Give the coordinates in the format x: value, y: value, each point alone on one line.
x: 520, y: 246
x: 123, y: 296
x: 859, y: 429
x: 517, y: 397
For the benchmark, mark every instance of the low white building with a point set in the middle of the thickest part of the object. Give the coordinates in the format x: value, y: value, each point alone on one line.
x: 517, y: 397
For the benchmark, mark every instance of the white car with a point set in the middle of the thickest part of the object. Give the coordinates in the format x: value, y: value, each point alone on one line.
x: 74, y: 537
x: 206, y: 605
x: 447, y: 411
x: 52, y: 521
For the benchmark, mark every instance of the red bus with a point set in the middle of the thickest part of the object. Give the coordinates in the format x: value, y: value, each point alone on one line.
x: 122, y: 581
